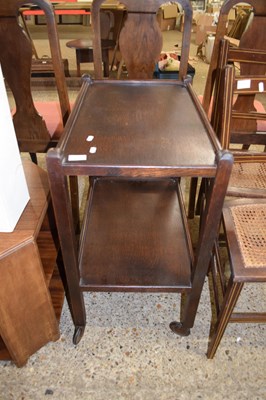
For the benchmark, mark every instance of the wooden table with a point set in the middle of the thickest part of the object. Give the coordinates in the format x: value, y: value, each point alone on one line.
x: 84, y: 52
x: 31, y: 291
x: 146, y: 136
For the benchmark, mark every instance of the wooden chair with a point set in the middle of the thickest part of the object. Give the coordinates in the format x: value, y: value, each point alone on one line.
x: 244, y: 227
x: 243, y: 220
x: 248, y: 178
x: 141, y: 54
x: 41, y: 65
x: 252, y: 39
x: 251, y: 61
x: 38, y: 125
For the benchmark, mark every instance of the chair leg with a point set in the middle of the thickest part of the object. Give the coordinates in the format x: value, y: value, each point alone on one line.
x: 74, y: 191
x: 200, y: 197
x: 232, y: 293
x: 78, y: 57
x: 105, y: 57
x: 192, y: 197
x: 119, y: 72
x: 33, y: 157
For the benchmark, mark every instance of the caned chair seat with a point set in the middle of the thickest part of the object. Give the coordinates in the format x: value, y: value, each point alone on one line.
x: 250, y: 230
x: 244, y: 225
x: 247, y: 176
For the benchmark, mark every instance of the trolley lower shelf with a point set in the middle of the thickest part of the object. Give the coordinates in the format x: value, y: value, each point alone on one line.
x: 135, y: 238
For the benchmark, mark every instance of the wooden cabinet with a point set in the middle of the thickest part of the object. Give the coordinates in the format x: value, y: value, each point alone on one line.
x: 31, y: 291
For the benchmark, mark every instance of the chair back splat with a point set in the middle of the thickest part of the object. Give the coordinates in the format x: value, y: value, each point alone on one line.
x: 140, y: 39
x: 16, y: 59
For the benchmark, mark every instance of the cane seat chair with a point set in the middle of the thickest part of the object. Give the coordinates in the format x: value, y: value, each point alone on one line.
x: 249, y: 61
x: 244, y: 220
x: 251, y: 39
x: 248, y: 178
x: 244, y: 228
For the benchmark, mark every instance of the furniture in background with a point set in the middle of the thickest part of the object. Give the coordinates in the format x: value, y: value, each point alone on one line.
x: 244, y: 221
x: 240, y: 23
x: 137, y: 147
x: 246, y: 126
x: 38, y: 125
x: 84, y: 48
x: 32, y: 293
x: 244, y: 227
x: 41, y: 65
x: 84, y: 52
x: 198, y: 4
x: 248, y: 178
x: 252, y: 39
x: 66, y: 8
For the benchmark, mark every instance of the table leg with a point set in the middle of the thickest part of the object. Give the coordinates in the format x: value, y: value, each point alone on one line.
x: 208, y: 232
x: 105, y: 55
x: 78, y: 62
x: 232, y: 293
x: 66, y: 231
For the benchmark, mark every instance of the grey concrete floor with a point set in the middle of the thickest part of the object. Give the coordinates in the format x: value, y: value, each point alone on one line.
x: 128, y: 350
